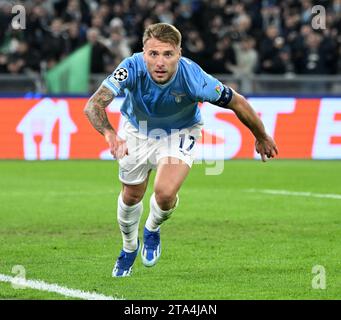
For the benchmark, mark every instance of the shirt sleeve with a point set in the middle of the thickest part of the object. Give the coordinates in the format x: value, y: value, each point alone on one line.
x: 122, y: 77
x: 206, y: 87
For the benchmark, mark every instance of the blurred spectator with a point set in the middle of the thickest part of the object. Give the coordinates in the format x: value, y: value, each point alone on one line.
x: 76, y: 36
x: 72, y: 12
x: 15, y: 65
x: 270, y: 48
x: 5, y: 19
x: 76, y: 10
x: 306, y: 11
x: 246, y: 57
x: 10, y: 41
x: 55, y: 43
x: 314, y: 61
x: 163, y: 13
x: 29, y: 56
x: 38, y: 21
x: 286, y: 60
x: 3, y: 63
x: 215, y: 31
x: 99, y: 51
x: 183, y: 15
x: 117, y: 44
x: 270, y: 14
x: 296, y: 42
x: 97, y: 22
x: 241, y: 24
x: 193, y: 46
x: 223, y: 57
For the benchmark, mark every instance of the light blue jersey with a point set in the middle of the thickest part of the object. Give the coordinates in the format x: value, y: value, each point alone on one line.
x: 173, y: 105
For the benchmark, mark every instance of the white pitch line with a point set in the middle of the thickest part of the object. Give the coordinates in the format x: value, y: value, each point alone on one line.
x: 55, y: 288
x: 298, y: 194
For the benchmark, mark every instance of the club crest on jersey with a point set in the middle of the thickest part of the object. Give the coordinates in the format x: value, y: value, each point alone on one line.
x: 121, y: 74
x: 178, y: 96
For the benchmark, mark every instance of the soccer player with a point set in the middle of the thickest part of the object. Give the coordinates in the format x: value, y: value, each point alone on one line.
x: 162, y: 125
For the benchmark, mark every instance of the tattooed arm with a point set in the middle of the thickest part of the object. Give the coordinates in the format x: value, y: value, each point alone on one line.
x: 95, y: 111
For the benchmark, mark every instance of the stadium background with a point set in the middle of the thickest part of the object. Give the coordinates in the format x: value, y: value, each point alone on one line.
x: 269, y: 50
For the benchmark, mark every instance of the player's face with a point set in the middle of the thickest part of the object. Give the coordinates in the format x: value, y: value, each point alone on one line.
x: 161, y: 59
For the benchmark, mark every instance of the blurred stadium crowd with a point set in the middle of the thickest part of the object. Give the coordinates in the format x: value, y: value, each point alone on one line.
x: 223, y: 36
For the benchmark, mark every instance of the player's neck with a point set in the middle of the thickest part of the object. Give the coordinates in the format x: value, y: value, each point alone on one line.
x: 168, y: 82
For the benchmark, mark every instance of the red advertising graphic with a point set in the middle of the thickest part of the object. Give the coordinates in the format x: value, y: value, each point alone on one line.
x: 56, y: 128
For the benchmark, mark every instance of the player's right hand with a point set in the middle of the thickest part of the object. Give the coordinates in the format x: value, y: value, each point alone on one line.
x: 118, y: 147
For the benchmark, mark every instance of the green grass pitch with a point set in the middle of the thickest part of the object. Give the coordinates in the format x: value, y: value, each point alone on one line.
x: 58, y: 220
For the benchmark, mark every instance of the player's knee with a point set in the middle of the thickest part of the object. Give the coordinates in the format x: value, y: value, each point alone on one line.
x: 165, y: 197
x: 131, y: 198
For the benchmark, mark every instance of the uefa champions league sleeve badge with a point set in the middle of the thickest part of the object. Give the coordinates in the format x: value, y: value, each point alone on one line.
x: 121, y: 74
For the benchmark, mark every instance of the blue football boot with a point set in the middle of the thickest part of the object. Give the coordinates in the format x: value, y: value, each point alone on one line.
x: 151, y: 249
x: 124, y: 264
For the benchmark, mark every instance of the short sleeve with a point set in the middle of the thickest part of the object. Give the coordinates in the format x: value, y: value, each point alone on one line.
x: 211, y: 89
x: 204, y: 87
x: 122, y: 77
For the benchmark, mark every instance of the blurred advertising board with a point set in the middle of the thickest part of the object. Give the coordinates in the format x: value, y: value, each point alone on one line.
x: 56, y: 128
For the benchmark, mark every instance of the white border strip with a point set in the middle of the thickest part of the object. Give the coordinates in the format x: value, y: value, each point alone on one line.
x: 43, y: 286
x: 298, y: 194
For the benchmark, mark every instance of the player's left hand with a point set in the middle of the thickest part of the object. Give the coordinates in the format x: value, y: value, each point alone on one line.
x: 266, y: 148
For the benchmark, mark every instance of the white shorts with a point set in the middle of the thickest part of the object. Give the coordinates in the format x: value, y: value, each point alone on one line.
x: 145, y: 152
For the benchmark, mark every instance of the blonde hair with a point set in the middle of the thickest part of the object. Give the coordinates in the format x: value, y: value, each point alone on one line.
x: 163, y: 32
